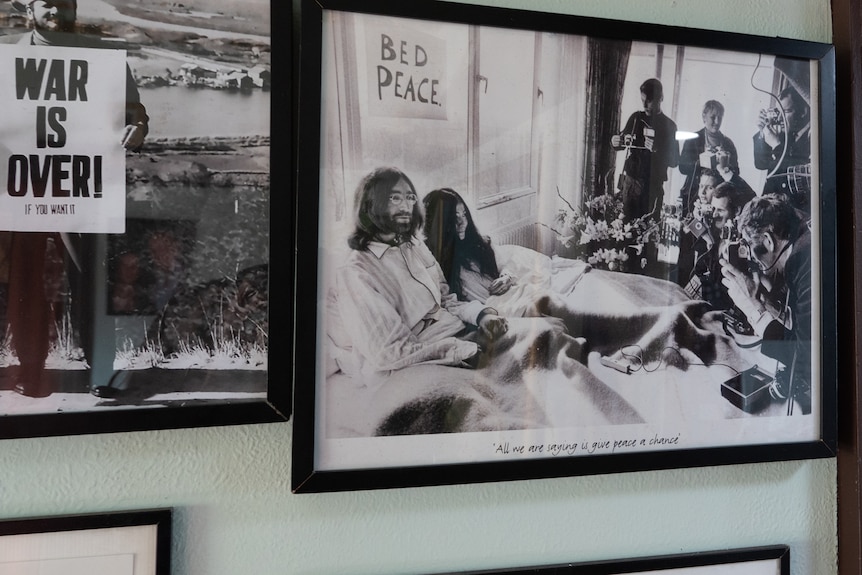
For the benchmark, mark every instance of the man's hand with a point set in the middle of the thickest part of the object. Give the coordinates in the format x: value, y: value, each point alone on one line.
x: 772, y: 133
x: 500, y: 285
x: 493, y: 326
x: 762, y: 119
x: 133, y: 137
x: 742, y: 289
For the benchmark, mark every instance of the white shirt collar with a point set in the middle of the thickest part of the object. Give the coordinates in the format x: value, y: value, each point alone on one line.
x: 379, y: 248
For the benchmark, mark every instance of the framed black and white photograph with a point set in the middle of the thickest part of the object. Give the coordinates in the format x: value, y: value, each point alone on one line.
x: 772, y: 560
x: 119, y: 543
x: 546, y: 245
x: 135, y: 214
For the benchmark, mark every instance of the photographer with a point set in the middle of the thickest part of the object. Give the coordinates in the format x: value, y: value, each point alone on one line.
x: 782, y: 145
x: 696, y: 239
x: 711, y: 239
x: 703, y: 152
x: 705, y: 225
x: 776, y: 296
x: 649, y: 140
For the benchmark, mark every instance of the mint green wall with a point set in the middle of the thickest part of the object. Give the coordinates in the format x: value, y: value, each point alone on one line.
x: 230, y: 486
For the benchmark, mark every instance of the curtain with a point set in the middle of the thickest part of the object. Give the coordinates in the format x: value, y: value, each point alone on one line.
x: 607, y: 61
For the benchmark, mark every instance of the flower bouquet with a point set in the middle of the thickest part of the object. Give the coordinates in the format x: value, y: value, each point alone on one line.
x: 602, y: 236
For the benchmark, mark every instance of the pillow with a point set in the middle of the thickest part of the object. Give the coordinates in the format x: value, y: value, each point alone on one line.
x: 521, y: 263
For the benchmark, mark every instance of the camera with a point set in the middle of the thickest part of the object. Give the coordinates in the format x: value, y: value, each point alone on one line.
x: 735, y: 321
x: 729, y: 232
x: 697, y: 226
x: 799, y: 185
x: 710, y: 158
x: 774, y: 117
x: 738, y: 254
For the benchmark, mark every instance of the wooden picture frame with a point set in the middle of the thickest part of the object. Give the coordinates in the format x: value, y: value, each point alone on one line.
x: 383, y: 85
x: 847, y: 21
x: 164, y: 321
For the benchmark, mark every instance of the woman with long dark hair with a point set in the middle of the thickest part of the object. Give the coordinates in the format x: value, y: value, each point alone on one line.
x: 465, y: 256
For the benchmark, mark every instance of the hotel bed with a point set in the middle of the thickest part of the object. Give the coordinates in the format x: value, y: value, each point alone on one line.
x: 596, y: 348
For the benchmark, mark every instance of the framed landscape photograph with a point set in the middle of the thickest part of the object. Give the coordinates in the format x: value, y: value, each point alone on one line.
x: 121, y: 543
x: 135, y: 214
x: 772, y: 560
x: 544, y: 245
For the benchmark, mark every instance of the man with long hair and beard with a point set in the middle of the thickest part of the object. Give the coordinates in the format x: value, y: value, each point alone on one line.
x: 393, y: 306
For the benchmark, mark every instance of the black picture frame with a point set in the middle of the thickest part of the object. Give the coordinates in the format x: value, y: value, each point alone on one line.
x: 765, y: 560
x: 230, y: 246
x: 139, y: 540
x: 421, y: 463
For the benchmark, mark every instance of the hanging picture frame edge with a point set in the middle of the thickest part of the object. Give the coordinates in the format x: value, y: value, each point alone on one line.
x: 305, y: 476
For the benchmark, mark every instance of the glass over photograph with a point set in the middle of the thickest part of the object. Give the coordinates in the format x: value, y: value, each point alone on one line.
x: 134, y: 236
x: 537, y: 245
